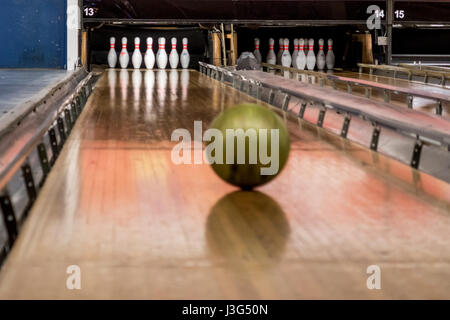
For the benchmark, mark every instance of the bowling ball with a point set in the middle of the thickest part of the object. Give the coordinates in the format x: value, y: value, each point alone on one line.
x: 255, y: 170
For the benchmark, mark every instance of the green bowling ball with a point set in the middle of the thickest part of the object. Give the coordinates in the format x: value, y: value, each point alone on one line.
x: 255, y: 145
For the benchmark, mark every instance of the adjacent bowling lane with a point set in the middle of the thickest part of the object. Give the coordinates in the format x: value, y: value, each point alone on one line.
x: 139, y: 226
x: 421, y: 104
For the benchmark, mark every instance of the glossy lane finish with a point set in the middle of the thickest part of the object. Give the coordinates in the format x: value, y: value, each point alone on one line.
x: 140, y: 226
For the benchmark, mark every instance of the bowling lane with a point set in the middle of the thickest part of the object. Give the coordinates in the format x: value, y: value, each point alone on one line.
x: 420, y: 104
x: 140, y: 226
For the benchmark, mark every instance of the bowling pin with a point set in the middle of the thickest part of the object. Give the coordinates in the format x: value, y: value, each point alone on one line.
x: 174, y: 58
x: 112, y: 55
x: 301, y: 57
x: 286, y: 58
x: 149, y: 57
x: 271, y: 57
x: 330, y: 59
x: 185, y: 57
x: 295, y: 54
x: 321, y: 55
x: 136, y: 59
x: 280, y: 51
x: 124, y: 58
x: 311, y: 57
x: 161, y: 55
x: 257, y: 53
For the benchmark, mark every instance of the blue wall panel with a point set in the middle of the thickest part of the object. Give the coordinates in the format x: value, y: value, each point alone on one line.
x: 33, y: 33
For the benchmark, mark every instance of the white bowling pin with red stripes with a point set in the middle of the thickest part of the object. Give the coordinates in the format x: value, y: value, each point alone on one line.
x: 257, y: 53
x: 286, y: 58
x: 280, y: 51
x: 311, y: 57
x: 321, y: 55
x: 112, y: 55
x: 136, y: 59
x: 149, y: 57
x: 185, y: 57
x: 295, y: 54
x: 124, y: 58
x: 161, y: 55
x: 174, y: 58
x: 301, y: 57
x: 330, y: 59
x: 271, y: 57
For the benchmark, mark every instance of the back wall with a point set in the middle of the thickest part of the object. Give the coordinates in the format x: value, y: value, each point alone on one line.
x: 33, y: 34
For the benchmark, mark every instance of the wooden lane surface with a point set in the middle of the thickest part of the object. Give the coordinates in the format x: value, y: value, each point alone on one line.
x: 140, y: 226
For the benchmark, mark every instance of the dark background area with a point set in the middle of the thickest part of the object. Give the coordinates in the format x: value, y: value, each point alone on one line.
x: 429, y: 11
x: 219, y: 10
x: 262, y: 10
x: 406, y: 41
x: 421, y: 41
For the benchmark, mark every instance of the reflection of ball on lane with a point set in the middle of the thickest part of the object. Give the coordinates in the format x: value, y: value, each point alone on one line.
x: 248, y: 175
x: 247, y: 227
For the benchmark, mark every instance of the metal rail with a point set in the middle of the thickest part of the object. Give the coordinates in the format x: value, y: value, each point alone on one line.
x: 442, y: 77
x: 425, y: 67
x: 30, y: 147
x: 425, y: 59
x: 387, y: 90
x: 419, y: 136
x: 239, y: 81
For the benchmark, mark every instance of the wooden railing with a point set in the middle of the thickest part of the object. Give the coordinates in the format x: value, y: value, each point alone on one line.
x: 410, y: 73
x: 425, y: 67
x: 386, y: 90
